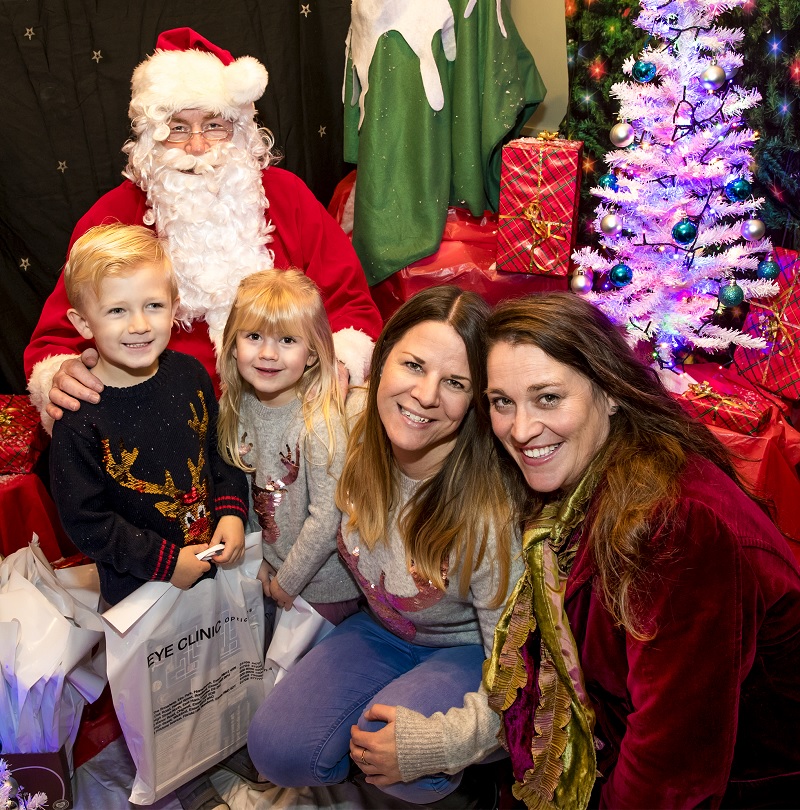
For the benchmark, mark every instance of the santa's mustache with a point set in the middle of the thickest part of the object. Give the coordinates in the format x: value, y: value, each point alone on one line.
x: 209, y: 161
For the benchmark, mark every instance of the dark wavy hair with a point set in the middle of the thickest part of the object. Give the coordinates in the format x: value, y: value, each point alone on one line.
x: 649, y: 439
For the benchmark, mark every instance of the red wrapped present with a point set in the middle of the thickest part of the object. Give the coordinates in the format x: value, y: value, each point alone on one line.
x: 22, y: 437
x: 776, y: 368
x: 748, y: 416
x: 539, y: 187
x: 466, y: 258
x: 766, y: 465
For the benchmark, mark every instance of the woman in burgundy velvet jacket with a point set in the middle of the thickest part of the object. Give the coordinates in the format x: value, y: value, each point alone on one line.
x: 650, y: 655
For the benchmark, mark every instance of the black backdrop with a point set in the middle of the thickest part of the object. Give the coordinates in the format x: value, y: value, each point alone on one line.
x: 65, y: 68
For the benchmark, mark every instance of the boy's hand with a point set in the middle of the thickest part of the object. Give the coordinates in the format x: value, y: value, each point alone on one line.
x: 189, y: 569
x: 73, y: 383
x: 229, y: 532
x: 283, y: 599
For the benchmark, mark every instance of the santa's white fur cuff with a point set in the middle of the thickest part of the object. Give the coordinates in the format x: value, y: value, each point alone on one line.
x: 354, y: 349
x: 41, y: 382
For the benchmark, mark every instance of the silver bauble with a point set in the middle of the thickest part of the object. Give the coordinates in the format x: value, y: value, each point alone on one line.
x: 611, y: 225
x: 753, y: 229
x: 712, y: 78
x: 621, y: 134
x: 581, y: 282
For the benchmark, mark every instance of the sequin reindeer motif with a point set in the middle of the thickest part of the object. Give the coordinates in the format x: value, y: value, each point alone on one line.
x: 389, y: 607
x: 188, y: 507
x: 266, y: 499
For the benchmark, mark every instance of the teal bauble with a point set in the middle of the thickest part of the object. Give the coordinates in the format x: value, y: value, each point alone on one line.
x: 643, y: 71
x: 620, y: 275
x: 768, y: 269
x: 685, y: 232
x: 738, y: 190
x: 731, y: 294
x: 608, y: 181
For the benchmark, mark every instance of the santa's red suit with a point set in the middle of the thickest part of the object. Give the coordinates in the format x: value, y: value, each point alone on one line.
x: 305, y: 236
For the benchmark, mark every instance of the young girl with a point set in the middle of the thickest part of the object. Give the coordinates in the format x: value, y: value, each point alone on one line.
x: 282, y: 420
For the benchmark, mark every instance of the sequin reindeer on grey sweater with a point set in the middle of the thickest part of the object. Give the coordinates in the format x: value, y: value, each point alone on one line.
x: 266, y: 499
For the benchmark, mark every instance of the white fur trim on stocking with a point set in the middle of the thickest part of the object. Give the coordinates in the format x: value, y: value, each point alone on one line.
x: 354, y: 349
x: 41, y: 382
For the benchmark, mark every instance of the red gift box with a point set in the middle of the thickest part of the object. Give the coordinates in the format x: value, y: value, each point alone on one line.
x: 776, y: 368
x: 735, y: 413
x: 719, y: 397
x: 539, y: 188
x: 22, y: 437
x: 466, y: 258
x: 766, y: 464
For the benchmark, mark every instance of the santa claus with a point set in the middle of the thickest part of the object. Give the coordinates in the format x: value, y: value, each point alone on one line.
x: 199, y: 171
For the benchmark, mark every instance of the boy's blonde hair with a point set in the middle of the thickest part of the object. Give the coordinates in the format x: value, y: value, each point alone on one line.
x: 280, y: 302
x: 107, y: 251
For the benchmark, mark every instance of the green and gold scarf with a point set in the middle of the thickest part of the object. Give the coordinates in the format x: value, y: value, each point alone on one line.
x: 562, y: 747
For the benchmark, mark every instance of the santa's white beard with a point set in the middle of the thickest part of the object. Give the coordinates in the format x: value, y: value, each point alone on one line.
x: 210, y: 208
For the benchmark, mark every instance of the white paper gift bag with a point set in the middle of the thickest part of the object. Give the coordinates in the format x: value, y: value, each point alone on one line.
x: 186, y: 670
x: 51, y: 658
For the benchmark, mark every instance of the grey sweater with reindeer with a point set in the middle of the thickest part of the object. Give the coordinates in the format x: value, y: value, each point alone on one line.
x: 293, y: 498
x: 138, y: 475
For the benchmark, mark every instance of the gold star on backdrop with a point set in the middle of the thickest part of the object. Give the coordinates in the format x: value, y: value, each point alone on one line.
x: 25, y: 263
x: 29, y: 34
x: 305, y: 10
x: 62, y: 166
x: 97, y: 56
x: 322, y: 131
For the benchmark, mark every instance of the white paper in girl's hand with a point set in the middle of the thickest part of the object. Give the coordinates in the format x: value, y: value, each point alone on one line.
x: 296, y: 632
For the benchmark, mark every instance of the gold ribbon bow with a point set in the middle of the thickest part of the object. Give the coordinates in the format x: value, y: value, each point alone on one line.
x: 10, y: 414
x: 542, y: 230
x: 547, y: 135
x: 705, y: 391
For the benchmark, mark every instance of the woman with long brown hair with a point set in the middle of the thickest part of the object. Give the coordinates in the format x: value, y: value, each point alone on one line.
x: 650, y: 654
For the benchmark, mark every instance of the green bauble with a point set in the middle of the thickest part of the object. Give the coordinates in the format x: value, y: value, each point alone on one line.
x: 731, y: 294
x: 620, y: 275
x: 768, y: 269
x: 684, y: 232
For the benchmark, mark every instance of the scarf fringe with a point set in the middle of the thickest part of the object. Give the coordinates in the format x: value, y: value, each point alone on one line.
x: 550, y: 722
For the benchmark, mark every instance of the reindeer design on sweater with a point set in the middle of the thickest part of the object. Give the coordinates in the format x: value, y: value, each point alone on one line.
x: 188, y: 507
x: 266, y: 499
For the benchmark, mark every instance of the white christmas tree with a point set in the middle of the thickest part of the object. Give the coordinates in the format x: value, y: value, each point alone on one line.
x: 677, y: 223
x: 12, y: 796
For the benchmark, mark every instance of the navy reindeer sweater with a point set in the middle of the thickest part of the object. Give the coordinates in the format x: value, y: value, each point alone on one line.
x: 138, y: 476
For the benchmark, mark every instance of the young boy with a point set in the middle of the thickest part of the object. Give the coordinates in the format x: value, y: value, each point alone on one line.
x: 138, y: 481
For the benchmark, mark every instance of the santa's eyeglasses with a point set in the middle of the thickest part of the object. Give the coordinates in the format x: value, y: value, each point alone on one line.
x: 181, y: 133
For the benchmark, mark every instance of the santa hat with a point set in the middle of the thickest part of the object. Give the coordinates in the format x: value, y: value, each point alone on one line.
x: 189, y: 72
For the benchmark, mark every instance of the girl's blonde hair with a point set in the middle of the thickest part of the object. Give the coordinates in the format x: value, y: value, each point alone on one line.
x: 280, y: 302
x: 107, y: 251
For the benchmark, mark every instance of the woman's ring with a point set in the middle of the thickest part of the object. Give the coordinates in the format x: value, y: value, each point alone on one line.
x: 363, y: 759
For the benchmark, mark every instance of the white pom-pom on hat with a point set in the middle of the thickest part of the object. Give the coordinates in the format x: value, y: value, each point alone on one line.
x: 189, y: 72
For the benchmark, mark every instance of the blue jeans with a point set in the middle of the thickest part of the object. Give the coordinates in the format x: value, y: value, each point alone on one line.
x: 300, y: 736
